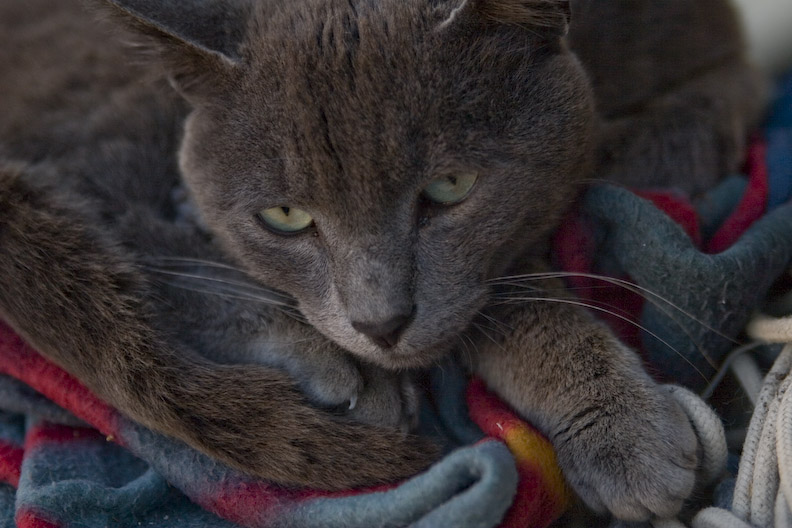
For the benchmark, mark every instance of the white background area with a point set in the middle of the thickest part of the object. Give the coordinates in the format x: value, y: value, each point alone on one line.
x: 768, y: 24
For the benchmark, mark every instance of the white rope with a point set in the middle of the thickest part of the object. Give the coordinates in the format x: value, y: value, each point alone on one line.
x: 718, y: 518
x: 764, y: 482
x: 783, y: 441
x: 745, y: 475
x: 750, y: 377
x: 666, y: 523
x: 782, y: 514
x: 725, y: 367
x: 709, y: 430
x: 763, y: 491
x: 770, y: 329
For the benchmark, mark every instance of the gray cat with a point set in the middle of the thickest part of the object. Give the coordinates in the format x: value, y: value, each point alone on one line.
x: 379, y: 166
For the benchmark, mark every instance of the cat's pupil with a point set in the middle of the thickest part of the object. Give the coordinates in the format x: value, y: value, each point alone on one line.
x: 285, y: 210
x: 450, y: 189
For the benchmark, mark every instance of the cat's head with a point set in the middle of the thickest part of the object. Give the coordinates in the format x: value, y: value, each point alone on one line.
x: 378, y: 160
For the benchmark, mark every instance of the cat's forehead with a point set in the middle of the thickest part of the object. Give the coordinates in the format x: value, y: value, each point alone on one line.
x: 367, y: 99
x: 350, y: 50
x: 346, y: 91
x: 319, y: 23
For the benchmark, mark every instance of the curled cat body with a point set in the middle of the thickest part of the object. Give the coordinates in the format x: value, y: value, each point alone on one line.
x: 366, y: 176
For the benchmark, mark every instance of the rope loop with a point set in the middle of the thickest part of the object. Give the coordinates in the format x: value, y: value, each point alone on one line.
x: 763, y: 491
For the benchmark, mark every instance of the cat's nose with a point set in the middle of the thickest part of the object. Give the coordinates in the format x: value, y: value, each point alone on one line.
x: 384, y: 333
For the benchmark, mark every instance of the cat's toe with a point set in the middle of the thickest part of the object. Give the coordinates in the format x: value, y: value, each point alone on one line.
x: 388, y: 399
x: 641, y: 465
x: 657, y: 490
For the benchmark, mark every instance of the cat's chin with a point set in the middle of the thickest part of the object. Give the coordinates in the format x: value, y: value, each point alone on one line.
x: 404, y: 356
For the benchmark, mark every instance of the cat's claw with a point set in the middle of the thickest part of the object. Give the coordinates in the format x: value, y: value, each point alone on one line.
x: 642, y: 465
x: 330, y: 377
x: 335, y: 381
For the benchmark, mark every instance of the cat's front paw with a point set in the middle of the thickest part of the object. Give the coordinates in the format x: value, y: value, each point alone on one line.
x: 327, y: 376
x: 388, y: 399
x: 636, y: 459
x: 332, y: 378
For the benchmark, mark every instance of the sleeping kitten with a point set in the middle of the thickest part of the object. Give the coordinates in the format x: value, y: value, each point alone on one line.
x: 380, y: 164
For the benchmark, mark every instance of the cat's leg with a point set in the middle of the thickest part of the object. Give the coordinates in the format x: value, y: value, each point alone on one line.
x: 79, y: 299
x: 689, y: 137
x: 328, y: 375
x: 241, y: 331
x: 623, y: 444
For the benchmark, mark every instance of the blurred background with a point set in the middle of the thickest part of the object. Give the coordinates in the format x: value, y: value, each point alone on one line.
x: 769, y: 27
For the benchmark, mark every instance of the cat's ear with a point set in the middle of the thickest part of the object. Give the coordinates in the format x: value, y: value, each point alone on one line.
x: 196, y: 41
x: 548, y: 17
x: 545, y: 18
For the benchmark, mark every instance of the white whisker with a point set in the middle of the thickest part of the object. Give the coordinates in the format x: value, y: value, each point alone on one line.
x: 646, y: 293
x: 499, y: 325
x: 468, y: 352
x: 481, y: 329
x: 631, y: 286
x: 509, y: 300
x: 189, y: 261
x: 242, y: 286
x: 284, y: 308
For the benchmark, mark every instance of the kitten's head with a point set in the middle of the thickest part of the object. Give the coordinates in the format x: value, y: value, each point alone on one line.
x: 378, y: 160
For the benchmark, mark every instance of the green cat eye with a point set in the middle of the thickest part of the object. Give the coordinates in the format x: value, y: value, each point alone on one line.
x: 286, y: 220
x: 450, y: 189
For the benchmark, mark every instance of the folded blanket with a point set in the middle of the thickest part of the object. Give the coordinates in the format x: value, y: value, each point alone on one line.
x: 121, y: 473
x: 695, y: 303
x: 702, y: 276
x: 704, y: 268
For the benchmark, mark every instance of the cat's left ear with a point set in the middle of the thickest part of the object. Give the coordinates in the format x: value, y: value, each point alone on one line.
x: 197, y: 41
x: 548, y: 19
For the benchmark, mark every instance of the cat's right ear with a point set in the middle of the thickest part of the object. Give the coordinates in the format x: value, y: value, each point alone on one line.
x: 196, y: 41
x: 547, y: 19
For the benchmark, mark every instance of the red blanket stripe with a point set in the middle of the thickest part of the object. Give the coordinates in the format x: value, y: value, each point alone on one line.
x: 679, y: 209
x: 20, y: 361
x: 542, y: 494
x: 10, y: 463
x: 238, y: 501
x: 244, y: 502
x: 753, y: 204
x: 30, y: 519
x: 45, y: 434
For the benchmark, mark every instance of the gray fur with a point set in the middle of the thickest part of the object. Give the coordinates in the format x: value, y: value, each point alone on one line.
x: 348, y: 109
